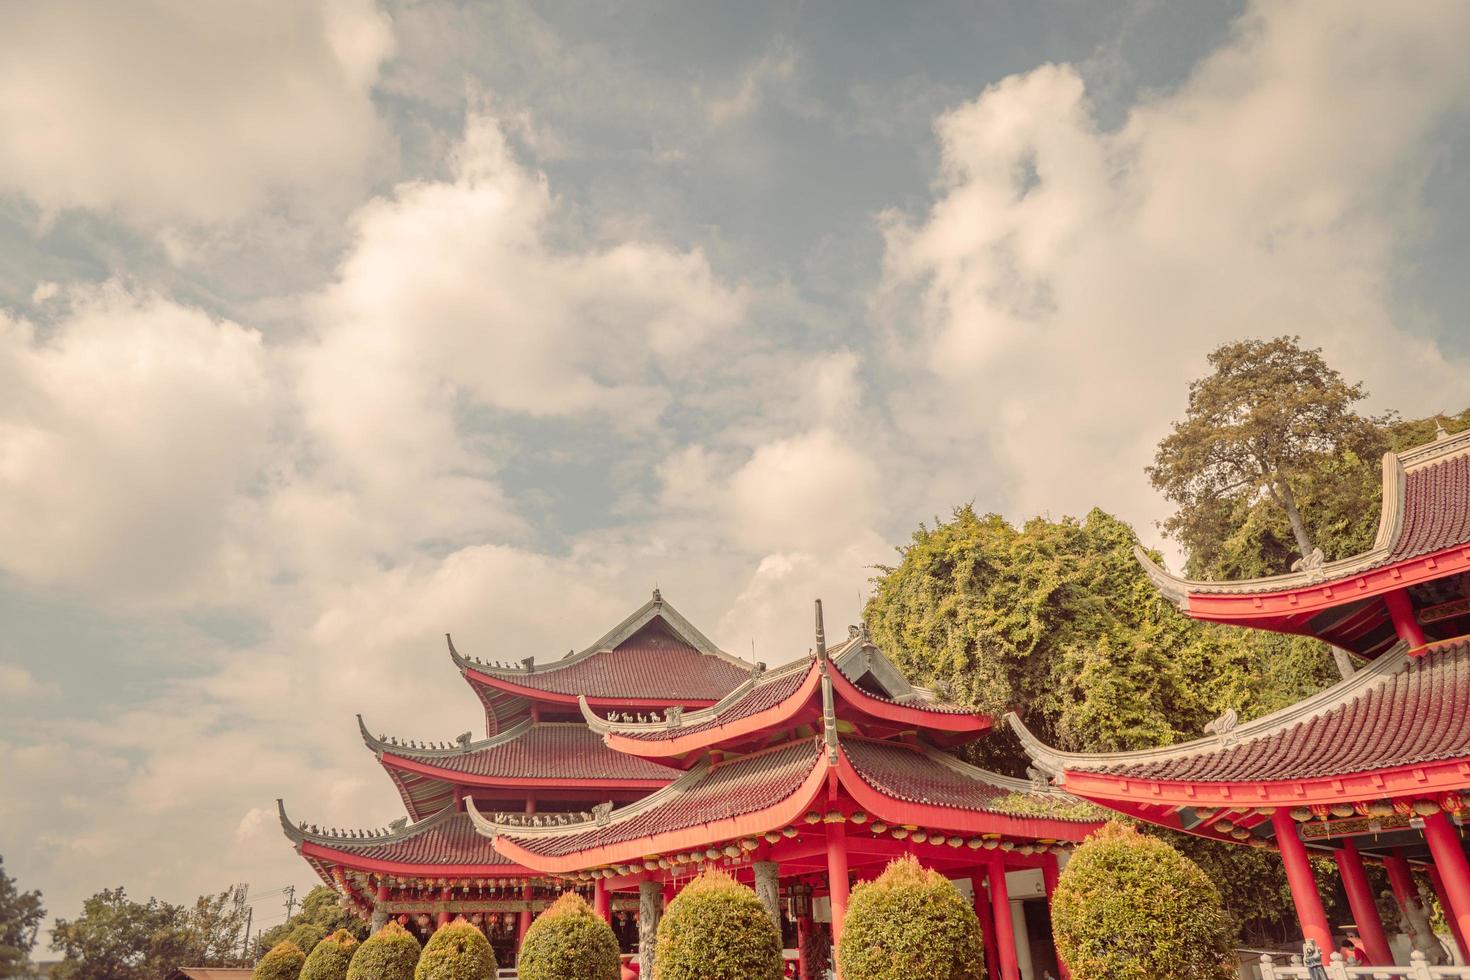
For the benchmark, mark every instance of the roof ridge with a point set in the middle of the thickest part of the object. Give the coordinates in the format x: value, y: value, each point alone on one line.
x: 381, y: 744
x: 1055, y: 761
x: 395, y: 831
x: 700, y: 716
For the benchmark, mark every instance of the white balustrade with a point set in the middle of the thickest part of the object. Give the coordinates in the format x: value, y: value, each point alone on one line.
x: 1417, y: 969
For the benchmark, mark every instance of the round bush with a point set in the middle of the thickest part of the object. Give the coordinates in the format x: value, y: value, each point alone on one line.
x: 716, y: 929
x: 1130, y: 907
x: 283, y: 962
x: 907, y: 923
x: 569, y: 941
x: 330, y: 959
x: 391, y: 953
x: 457, y: 951
x: 307, y: 935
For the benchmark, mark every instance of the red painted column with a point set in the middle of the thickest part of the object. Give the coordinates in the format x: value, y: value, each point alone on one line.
x: 1005, y: 929
x: 837, y: 880
x: 601, y: 900
x: 1401, y: 611
x: 987, y: 924
x: 1304, y: 895
x: 1437, y: 880
x: 1454, y: 870
x: 1050, y: 872
x: 527, y: 892
x: 1360, y: 899
x: 1400, y: 879
x: 445, y: 894
x: 803, y: 930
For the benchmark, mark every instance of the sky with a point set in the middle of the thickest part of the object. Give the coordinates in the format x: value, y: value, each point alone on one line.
x: 327, y: 328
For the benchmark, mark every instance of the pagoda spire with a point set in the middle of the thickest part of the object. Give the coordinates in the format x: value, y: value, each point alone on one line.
x: 821, y: 634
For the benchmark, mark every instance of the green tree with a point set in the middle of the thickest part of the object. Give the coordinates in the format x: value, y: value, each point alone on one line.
x: 1269, y: 415
x: 283, y: 962
x: 215, y: 925
x: 322, y: 907
x: 20, y: 916
x: 910, y: 922
x: 1130, y: 907
x: 116, y: 938
x: 331, y: 957
x: 716, y: 929
x: 569, y: 941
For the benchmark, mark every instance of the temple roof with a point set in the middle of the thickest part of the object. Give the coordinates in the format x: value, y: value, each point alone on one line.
x: 1426, y: 509
x: 1400, y: 713
x: 653, y: 656
x: 778, y: 700
x: 525, y: 756
x: 446, y: 839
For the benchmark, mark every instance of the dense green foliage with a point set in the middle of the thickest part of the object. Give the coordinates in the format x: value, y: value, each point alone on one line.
x: 20, y: 916
x: 1130, y: 907
x: 716, y: 929
x: 283, y: 962
x: 116, y: 938
x: 391, y: 953
x: 457, y: 951
x: 305, y: 935
x: 910, y: 922
x: 331, y: 957
x: 1058, y: 620
x: 322, y: 907
x: 569, y: 941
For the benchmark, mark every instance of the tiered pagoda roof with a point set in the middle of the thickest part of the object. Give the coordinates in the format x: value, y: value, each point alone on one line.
x: 422, y: 848
x: 530, y: 755
x: 1388, y: 741
x: 1422, y: 545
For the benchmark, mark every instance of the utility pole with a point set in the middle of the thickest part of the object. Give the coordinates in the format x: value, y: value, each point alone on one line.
x: 290, y: 900
x: 245, y: 946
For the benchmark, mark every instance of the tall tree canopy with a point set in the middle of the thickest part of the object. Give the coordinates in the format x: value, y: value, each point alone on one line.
x: 116, y: 938
x: 1270, y: 416
x: 322, y: 907
x: 20, y: 916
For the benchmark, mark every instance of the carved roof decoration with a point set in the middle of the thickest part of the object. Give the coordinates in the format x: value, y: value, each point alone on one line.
x: 1425, y: 509
x: 653, y: 655
x: 446, y: 838
x: 1399, y: 712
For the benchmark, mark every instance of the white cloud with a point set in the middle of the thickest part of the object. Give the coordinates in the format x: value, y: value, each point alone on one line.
x: 1069, y: 280
x: 19, y: 684
x: 173, y: 112
x: 130, y: 426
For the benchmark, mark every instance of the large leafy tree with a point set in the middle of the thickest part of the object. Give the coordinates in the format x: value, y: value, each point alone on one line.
x: 20, y: 916
x: 1270, y: 417
x: 116, y: 938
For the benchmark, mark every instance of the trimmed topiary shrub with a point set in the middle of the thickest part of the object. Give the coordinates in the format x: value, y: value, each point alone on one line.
x: 1130, y: 907
x: 306, y: 936
x: 716, y: 929
x: 569, y: 941
x: 391, y: 953
x: 283, y: 962
x: 908, y: 923
x: 330, y: 959
x: 457, y: 951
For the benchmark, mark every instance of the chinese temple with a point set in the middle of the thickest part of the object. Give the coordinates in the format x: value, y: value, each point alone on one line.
x: 624, y: 770
x: 1376, y: 768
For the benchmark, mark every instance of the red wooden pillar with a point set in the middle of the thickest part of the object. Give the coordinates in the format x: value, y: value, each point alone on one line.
x: 803, y: 930
x: 1360, y: 899
x: 987, y: 924
x: 837, y: 881
x: 526, y: 893
x: 1437, y: 880
x: 602, y: 901
x: 1400, y: 879
x: 1454, y: 870
x: 1401, y: 611
x: 445, y: 894
x: 1005, y: 929
x: 1304, y: 895
x: 1049, y: 875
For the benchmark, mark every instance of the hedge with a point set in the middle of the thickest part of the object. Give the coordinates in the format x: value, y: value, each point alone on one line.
x: 569, y: 941
x: 457, y: 951
x: 330, y: 959
x: 283, y: 962
x: 1130, y: 907
x: 391, y: 953
x: 907, y: 923
x: 716, y: 929
x: 306, y: 936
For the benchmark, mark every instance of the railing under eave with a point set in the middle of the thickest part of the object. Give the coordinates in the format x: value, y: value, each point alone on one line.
x: 1417, y: 969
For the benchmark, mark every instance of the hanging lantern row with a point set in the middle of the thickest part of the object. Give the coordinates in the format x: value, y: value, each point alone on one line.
x: 1451, y: 803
